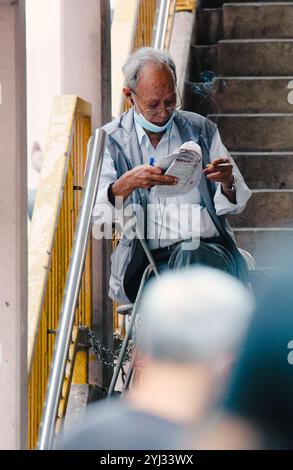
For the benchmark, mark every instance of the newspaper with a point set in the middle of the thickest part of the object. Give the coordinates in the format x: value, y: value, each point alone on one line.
x: 186, y: 164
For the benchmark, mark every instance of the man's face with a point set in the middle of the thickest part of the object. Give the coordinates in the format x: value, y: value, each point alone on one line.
x: 155, y: 94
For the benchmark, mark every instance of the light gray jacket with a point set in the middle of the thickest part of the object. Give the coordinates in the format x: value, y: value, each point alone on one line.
x: 128, y: 260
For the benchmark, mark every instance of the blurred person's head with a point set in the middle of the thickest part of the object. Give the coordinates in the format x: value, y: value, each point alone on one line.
x: 195, y: 315
x: 192, y: 323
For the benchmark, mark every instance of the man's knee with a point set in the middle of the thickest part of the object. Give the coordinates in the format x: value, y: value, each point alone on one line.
x: 206, y: 254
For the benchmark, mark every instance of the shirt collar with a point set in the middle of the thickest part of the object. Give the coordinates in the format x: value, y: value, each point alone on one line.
x: 142, y: 136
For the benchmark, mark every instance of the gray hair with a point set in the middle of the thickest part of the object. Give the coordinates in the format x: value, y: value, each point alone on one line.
x: 141, y: 57
x: 195, y: 314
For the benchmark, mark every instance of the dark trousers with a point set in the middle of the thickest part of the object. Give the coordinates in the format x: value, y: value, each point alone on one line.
x: 208, y: 253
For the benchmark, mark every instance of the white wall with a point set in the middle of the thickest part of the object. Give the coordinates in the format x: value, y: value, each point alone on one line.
x: 43, y: 70
x: 13, y: 248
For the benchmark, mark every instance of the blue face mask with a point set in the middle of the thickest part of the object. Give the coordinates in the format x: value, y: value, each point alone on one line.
x: 149, y: 126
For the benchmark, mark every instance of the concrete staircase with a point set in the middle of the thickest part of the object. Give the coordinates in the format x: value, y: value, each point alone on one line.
x: 249, y: 47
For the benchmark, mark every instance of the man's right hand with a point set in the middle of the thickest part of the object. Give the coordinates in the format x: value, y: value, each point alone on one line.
x: 142, y: 176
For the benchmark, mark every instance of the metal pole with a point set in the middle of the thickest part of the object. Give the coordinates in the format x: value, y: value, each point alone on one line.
x: 71, y: 292
x: 128, y: 333
x: 161, y: 25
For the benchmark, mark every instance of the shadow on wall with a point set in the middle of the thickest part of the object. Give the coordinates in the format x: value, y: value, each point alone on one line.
x: 37, y: 157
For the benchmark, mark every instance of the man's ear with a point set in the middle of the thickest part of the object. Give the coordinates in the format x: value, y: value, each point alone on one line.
x: 127, y: 93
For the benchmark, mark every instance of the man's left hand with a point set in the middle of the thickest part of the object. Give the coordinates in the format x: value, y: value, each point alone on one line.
x: 220, y: 171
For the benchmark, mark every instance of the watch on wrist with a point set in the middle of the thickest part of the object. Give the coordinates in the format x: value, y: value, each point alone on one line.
x: 232, y: 189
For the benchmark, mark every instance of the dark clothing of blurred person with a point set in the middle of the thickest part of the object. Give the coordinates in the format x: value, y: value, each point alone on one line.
x: 261, y: 386
x: 116, y: 424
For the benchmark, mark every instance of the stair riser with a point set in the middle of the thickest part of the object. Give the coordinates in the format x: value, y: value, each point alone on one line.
x: 256, y: 133
x: 219, y: 3
x: 266, y: 171
x: 266, y: 209
x: 255, y: 58
x: 258, y: 21
x: 268, y: 248
x: 202, y: 58
x: 242, y: 95
x: 209, y: 26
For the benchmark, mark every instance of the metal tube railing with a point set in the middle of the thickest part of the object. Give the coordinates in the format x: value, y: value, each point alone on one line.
x: 161, y: 24
x: 128, y: 332
x: 71, y: 292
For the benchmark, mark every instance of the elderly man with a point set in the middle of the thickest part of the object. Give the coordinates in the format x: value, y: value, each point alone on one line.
x: 153, y: 128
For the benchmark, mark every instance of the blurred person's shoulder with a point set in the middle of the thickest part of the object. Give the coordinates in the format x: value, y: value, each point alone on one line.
x: 115, y: 424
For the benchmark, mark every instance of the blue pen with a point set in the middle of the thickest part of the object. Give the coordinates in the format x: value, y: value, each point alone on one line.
x: 152, y: 161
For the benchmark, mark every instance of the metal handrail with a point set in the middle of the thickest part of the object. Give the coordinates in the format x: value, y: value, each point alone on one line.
x: 92, y: 174
x: 162, y: 24
x: 117, y: 368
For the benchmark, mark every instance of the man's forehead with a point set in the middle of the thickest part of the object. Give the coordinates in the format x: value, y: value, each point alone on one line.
x: 153, y: 68
x: 152, y: 74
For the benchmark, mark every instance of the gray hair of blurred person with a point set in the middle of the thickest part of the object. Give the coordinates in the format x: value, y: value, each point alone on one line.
x: 197, y: 314
x: 140, y: 58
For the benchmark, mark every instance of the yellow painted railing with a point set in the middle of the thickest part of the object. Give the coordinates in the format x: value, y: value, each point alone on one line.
x: 145, y: 23
x: 185, y: 5
x: 50, y: 243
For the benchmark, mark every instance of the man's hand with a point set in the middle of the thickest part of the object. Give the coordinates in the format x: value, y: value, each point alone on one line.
x: 142, y: 176
x: 220, y: 171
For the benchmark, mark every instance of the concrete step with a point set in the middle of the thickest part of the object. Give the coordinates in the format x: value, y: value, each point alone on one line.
x: 258, y: 20
x: 256, y: 132
x: 255, y: 57
x: 266, y: 170
x: 266, y: 208
x: 209, y: 26
x: 196, y: 98
x: 269, y: 247
x: 243, y: 94
x: 219, y: 3
x: 202, y: 58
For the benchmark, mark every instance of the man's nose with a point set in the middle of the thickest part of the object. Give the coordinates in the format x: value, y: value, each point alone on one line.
x: 163, y: 110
